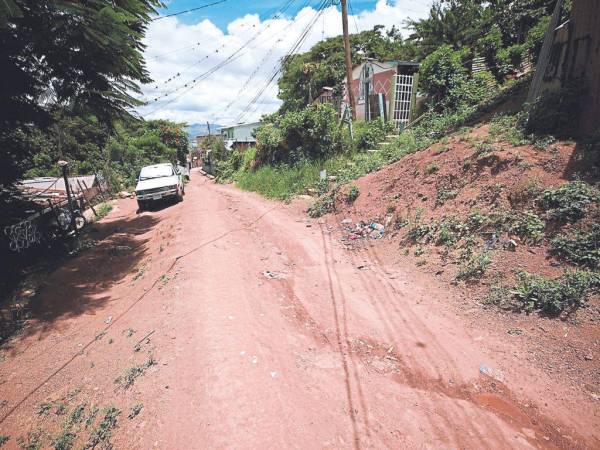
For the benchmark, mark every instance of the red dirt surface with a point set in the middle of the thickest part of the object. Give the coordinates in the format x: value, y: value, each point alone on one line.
x: 264, y: 333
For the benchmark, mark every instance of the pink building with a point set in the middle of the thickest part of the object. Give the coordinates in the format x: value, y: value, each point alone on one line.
x: 385, y: 89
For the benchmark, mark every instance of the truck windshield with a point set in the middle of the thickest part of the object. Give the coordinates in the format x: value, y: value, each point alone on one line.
x: 156, y: 172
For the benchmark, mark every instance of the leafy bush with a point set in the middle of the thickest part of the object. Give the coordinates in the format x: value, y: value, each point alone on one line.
x: 568, y: 202
x: 311, y: 132
x: 448, y: 231
x: 352, y: 194
x: 554, y: 296
x: 443, y: 73
x: 368, y: 134
x: 324, y: 204
x: 581, y: 247
x: 475, y: 266
x: 528, y: 225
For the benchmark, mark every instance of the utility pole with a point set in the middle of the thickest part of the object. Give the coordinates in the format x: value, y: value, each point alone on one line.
x: 348, y: 58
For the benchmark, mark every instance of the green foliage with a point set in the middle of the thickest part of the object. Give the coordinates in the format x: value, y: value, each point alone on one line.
x: 568, y: 202
x: 528, y: 225
x: 474, y: 267
x: 323, y: 205
x: 368, y: 134
x: 103, y: 209
x: 311, y: 132
x: 352, y: 194
x: 64, y: 441
x: 32, y: 441
x: 554, y: 296
x: 443, y: 74
x: 103, y: 432
x: 87, y: 55
x: 4, y: 438
x: 582, y: 247
x: 431, y: 168
x: 135, y: 410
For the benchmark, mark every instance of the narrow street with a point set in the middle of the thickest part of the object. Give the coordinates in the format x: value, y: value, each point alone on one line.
x: 255, y: 328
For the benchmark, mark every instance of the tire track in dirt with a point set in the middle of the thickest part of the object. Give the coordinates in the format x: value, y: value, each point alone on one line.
x: 496, y: 397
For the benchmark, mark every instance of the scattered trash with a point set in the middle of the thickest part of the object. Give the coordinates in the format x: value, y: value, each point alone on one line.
x: 254, y: 360
x: 495, y: 374
x: 511, y: 245
x: 125, y: 194
x: 123, y: 248
x: 361, y: 230
x: 378, y: 230
x: 272, y: 275
x: 363, y: 267
x: 273, y: 374
x: 491, y: 242
x: 589, y: 357
x: 108, y: 320
x: 515, y: 331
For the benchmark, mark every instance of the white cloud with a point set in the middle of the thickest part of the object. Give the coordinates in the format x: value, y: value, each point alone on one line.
x: 186, y: 52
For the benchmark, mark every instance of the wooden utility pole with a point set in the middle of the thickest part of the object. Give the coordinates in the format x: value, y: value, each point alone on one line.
x: 348, y: 58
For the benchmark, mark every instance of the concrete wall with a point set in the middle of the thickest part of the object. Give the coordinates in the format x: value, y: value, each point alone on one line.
x: 575, y: 56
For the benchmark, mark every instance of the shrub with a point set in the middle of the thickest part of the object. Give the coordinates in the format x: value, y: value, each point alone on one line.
x: 528, y: 225
x: 311, y: 132
x: 352, y: 194
x: 448, y: 231
x: 323, y: 205
x: 554, y: 296
x: 581, y: 247
x: 442, y: 73
x: 568, y: 202
x: 368, y: 134
x: 475, y: 266
x: 431, y: 168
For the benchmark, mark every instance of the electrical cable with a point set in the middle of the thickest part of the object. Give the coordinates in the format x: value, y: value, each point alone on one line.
x: 235, y: 55
x: 189, y: 10
x: 277, y: 69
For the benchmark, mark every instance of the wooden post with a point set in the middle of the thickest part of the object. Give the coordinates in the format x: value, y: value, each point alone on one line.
x: 83, y: 192
x: 348, y: 57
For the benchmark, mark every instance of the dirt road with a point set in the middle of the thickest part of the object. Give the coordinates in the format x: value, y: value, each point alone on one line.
x: 235, y: 322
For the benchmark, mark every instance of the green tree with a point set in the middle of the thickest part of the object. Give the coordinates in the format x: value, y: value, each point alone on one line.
x: 86, y: 54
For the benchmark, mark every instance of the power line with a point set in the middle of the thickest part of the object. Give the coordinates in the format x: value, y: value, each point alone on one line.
x: 190, y: 10
x: 234, y: 56
x: 278, y: 67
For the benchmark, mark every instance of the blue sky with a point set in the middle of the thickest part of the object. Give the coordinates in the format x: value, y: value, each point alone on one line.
x: 221, y: 15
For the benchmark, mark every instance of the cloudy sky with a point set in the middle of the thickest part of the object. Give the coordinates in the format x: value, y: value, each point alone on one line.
x: 209, y: 64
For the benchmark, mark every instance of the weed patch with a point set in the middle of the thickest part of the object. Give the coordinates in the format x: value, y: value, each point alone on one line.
x: 554, y: 296
x: 569, y: 202
x: 581, y: 247
x: 103, y: 432
x: 103, y: 209
x: 135, y: 410
x: 128, y: 378
x: 474, y: 267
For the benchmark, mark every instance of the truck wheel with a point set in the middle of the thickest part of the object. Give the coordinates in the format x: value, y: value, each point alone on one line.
x: 142, y: 205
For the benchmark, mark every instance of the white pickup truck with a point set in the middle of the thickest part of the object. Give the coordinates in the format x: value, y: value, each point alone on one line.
x: 158, y: 182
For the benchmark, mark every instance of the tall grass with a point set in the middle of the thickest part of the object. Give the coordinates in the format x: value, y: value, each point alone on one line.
x: 284, y: 181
